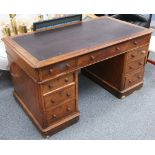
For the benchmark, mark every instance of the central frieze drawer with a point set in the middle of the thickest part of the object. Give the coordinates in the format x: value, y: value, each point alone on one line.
x: 59, y: 96
x: 98, y: 56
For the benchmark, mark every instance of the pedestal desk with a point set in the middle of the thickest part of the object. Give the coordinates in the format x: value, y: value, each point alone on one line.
x: 44, y: 66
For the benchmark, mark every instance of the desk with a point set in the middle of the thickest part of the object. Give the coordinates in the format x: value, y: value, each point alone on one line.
x: 44, y: 66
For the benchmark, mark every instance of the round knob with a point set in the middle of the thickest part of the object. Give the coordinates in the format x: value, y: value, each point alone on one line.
x: 68, y: 95
x: 117, y: 48
x: 50, y: 86
x: 130, y: 81
x: 68, y: 65
x: 60, y: 92
x: 54, y: 116
x: 132, y: 55
x: 52, y: 101
x: 143, y: 52
x: 140, y: 63
x: 130, y: 67
x: 66, y: 79
x: 135, y: 42
x: 139, y: 77
x: 68, y: 109
x: 92, y: 57
x: 51, y: 71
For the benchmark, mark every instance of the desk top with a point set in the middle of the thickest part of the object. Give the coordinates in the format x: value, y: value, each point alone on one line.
x: 76, y: 39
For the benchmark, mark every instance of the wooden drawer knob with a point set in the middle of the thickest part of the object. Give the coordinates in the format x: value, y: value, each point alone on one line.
x: 68, y: 66
x: 130, y: 81
x: 140, y: 63
x: 52, y: 101
x: 68, y: 109
x: 117, y: 48
x: 61, y: 92
x: 143, y: 52
x: 130, y: 67
x: 135, y: 42
x: 68, y: 95
x: 92, y: 57
x: 139, y: 77
x: 51, y: 71
x: 66, y: 79
x: 132, y: 55
x: 49, y: 85
x: 54, y: 116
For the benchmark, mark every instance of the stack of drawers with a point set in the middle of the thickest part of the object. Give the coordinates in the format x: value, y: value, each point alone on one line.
x: 122, y: 70
x: 134, y: 68
x: 59, y: 93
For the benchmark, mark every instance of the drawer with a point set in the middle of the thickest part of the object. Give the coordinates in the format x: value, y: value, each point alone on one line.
x: 137, y: 53
x: 135, y: 65
x: 57, y: 69
x: 98, y: 56
x: 134, y: 78
x: 105, y: 53
x: 60, y: 111
x: 90, y: 58
x: 59, y: 96
x: 140, y: 41
x: 57, y: 83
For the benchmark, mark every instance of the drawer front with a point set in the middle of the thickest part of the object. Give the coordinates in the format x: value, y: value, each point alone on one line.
x: 135, y: 65
x: 60, y: 111
x: 137, y: 53
x: 57, y: 83
x: 141, y: 41
x: 105, y: 53
x: 90, y: 58
x: 57, y: 69
x: 98, y: 56
x: 134, y: 78
x: 59, y: 96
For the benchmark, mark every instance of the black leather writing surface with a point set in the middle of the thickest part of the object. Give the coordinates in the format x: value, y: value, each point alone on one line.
x: 51, y: 43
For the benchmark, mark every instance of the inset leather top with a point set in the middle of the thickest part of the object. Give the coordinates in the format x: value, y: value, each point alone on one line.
x: 51, y: 43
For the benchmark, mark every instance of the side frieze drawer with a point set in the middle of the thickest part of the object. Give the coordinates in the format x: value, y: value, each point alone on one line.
x: 57, y: 69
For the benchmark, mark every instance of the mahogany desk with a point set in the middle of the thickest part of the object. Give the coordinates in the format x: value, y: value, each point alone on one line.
x: 44, y: 66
